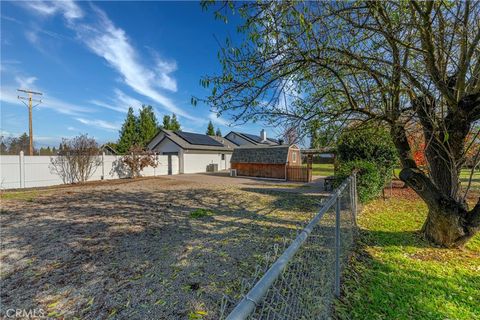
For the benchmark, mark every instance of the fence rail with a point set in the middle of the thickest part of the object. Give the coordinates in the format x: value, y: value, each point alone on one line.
x: 304, y: 279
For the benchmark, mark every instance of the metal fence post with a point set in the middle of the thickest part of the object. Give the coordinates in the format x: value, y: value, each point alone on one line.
x: 351, y: 197
x: 355, y: 197
x: 337, y: 246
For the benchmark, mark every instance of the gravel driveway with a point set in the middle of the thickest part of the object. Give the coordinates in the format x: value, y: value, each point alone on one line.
x: 136, y: 249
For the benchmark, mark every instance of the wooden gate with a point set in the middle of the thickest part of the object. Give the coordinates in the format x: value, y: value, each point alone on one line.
x: 299, y: 173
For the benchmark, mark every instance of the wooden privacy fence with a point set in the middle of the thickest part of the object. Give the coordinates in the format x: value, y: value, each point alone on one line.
x: 299, y: 173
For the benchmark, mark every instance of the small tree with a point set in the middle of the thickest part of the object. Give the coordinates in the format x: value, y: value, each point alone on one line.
x: 138, y: 158
x: 171, y: 123
x: 128, y: 133
x: 174, y: 124
x: 147, y: 125
x: 218, y: 133
x: 210, y: 129
x: 77, y: 159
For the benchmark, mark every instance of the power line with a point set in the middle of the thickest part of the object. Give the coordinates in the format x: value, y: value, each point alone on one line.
x: 30, y: 106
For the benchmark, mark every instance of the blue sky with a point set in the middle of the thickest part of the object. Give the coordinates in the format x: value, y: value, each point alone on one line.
x: 92, y: 60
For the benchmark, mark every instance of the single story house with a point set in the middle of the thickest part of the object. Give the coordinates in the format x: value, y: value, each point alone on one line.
x: 246, y: 139
x: 265, y: 161
x: 195, y: 152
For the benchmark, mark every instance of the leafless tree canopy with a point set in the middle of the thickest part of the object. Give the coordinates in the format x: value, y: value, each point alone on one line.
x: 77, y: 159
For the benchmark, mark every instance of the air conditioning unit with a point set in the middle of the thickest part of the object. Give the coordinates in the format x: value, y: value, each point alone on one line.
x: 233, y: 172
x: 212, y: 167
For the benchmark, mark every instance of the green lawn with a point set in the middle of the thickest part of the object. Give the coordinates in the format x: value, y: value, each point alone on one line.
x: 464, y: 177
x: 395, y: 274
x: 322, y: 169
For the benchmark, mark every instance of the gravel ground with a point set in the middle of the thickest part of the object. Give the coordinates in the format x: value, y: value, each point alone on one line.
x: 131, y: 249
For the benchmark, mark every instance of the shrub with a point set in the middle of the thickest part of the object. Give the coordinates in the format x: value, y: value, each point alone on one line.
x: 137, y: 159
x: 370, y: 143
x: 77, y: 159
x: 369, y: 178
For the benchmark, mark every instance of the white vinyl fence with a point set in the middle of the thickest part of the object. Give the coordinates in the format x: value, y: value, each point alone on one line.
x: 36, y: 171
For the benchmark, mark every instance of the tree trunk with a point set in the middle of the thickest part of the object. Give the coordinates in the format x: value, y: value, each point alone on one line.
x: 446, y: 228
x: 449, y: 223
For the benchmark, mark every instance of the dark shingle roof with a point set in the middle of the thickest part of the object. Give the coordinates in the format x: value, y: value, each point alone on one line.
x: 224, y: 144
x: 261, y: 154
x: 257, y: 139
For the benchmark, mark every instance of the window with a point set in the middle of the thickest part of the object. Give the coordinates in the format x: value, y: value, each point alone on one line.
x: 223, y: 156
x: 294, y: 157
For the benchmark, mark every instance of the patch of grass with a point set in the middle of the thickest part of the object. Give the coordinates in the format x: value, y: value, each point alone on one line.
x: 322, y: 169
x: 396, y: 274
x: 201, y: 213
x: 464, y: 177
x: 19, y: 195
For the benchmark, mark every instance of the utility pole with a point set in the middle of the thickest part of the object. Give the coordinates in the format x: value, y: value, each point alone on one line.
x: 30, y: 106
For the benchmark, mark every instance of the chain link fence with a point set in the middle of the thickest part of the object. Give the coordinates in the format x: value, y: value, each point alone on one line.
x: 300, y: 279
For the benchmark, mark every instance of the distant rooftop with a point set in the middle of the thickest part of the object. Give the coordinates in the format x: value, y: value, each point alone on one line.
x: 256, y: 139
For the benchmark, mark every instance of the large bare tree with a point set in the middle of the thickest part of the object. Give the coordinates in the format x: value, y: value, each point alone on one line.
x: 402, y: 64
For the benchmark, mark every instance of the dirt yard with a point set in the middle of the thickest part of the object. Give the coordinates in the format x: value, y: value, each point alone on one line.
x: 155, y: 248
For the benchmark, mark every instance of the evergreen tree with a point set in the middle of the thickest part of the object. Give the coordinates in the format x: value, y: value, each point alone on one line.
x: 128, y: 133
x: 166, y: 122
x: 210, y: 129
x: 147, y: 125
x: 171, y: 123
x: 218, y: 133
x: 174, y: 124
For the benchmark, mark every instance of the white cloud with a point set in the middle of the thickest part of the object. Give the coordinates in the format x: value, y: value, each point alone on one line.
x: 164, y: 68
x: 126, y: 101
x: 109, y: 126
x: 112, y: 43
x: 25, y: 82
x: 120, y: 103
x: 68, y: 8
x: 213, y: 116
x: 31, y: 36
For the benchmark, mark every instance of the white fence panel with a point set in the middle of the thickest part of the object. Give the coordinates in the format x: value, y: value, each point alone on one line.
x: 10, y: 172
x: 36, y: 171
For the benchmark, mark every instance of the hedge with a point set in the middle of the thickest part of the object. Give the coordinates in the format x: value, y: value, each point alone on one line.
x: 370, y: 181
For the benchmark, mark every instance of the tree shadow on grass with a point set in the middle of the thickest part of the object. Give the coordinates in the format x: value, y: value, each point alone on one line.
x: 382, y: 289
x: 380, y: 238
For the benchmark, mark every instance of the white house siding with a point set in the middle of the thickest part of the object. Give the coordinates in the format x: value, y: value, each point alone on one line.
x: 196, y: 162
x: 36, y: 171
x: 156, y: 140
x: 168, y: 146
